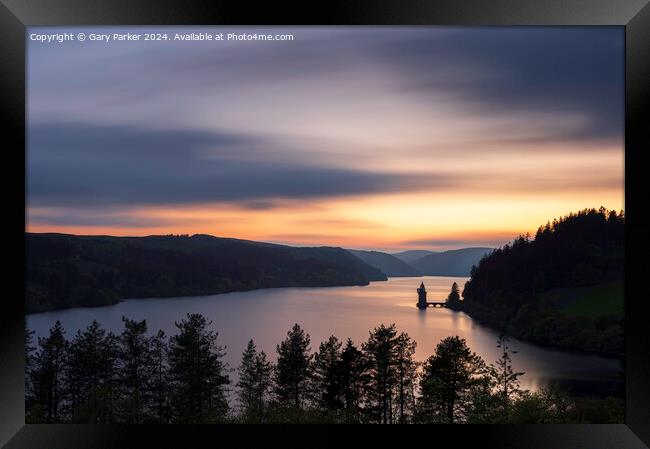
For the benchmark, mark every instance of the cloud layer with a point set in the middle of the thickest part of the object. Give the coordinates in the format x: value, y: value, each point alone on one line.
x: 344, y: 124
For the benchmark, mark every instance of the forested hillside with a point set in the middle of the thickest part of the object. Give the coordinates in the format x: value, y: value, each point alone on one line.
x: 72, y: 271
x: 562, y: 287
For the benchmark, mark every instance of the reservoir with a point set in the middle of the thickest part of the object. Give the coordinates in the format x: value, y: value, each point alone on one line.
x: 266, y: 315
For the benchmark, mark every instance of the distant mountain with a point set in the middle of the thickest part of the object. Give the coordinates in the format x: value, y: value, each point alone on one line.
x: 456, y: 262
x: 338, y: 256
x: 387, y: 263
x: 412, y: 255
x: 78, y: 271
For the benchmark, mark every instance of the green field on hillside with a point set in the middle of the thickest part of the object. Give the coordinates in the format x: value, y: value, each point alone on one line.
x: 603, y: 299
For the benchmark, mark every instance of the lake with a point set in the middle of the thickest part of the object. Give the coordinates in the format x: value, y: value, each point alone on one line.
x: 266, y: 315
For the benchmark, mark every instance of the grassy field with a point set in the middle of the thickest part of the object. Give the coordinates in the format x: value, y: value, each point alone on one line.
x: 602, y: 299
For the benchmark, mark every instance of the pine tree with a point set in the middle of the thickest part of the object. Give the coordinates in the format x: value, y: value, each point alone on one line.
x: 92, y: 375
x: 506, y: 378
x: 293, y: 372
x: 160, y: 378
x: 380, y: 353
x: 354, y: 381
x: 448, y: 379
x: 76, y: 380
x: 246, y: 382
x: 84, y: 373
x: 327, y: 376
x: 136, y: 369
x: 263, y: 371
x: 254, y: 383
x: 110, y: 372
x: 48, y: 376
x: 29, y: 365
x: 198, y: 374
x: 453, y: 299
x: 406, y: 371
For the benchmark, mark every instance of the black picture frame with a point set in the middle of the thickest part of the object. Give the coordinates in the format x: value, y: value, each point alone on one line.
x: 634, y: 15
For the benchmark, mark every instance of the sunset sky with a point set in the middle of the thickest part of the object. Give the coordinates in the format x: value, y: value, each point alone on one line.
x: 374, y: 138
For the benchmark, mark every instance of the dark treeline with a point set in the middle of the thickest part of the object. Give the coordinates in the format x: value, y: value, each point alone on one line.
x: 83, y: 271
x: 526, y: 287
x: 134, y: 377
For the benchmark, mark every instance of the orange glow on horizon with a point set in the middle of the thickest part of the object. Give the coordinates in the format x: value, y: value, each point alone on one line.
x: 384, y: 222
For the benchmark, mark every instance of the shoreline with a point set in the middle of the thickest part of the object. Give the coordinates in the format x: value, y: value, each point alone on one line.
x: 236, y: 291
x: 580, y: 351
x: 543, y: 345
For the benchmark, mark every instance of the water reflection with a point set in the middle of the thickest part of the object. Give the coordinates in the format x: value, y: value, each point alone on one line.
x: 266, y: 315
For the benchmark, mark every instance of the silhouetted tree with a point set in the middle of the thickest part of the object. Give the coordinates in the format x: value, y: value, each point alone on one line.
x: 353, y: 381
x: 254, y: 383
x: 549, y: 405
x: 293, y: 372
x: 109, y: 361
x: 406, y: 372
x: 160, y: 378
x: 30, y: 349
x: 92, y: 375
x: 506, y: 378
x: 453, y: 299
x: 448, y: 378
x: 197, y: 372
x: 380, y: 353
x: 136, y: 370
x: 101, y: 378
x: 482, y: 402
x: 327, y: 376
x: 47, y: 376
x: 264, y: 375
x: 247, y: 380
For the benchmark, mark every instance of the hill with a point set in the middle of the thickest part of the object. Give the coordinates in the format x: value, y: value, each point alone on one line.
x: 456, y: 262
x: 77, y: 271
x: 387, y: 263
x: 564, y: 287
x: 412, y: 255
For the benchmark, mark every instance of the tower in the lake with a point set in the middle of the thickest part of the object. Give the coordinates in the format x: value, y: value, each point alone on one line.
x: 422, y: 297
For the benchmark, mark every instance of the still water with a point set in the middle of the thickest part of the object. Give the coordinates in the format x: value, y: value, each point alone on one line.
x: 266, y: 316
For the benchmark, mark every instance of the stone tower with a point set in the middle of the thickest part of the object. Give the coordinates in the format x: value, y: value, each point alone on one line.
x: 422, y: 297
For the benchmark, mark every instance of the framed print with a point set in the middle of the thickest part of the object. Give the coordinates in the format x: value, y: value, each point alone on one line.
x: 262, y: 224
